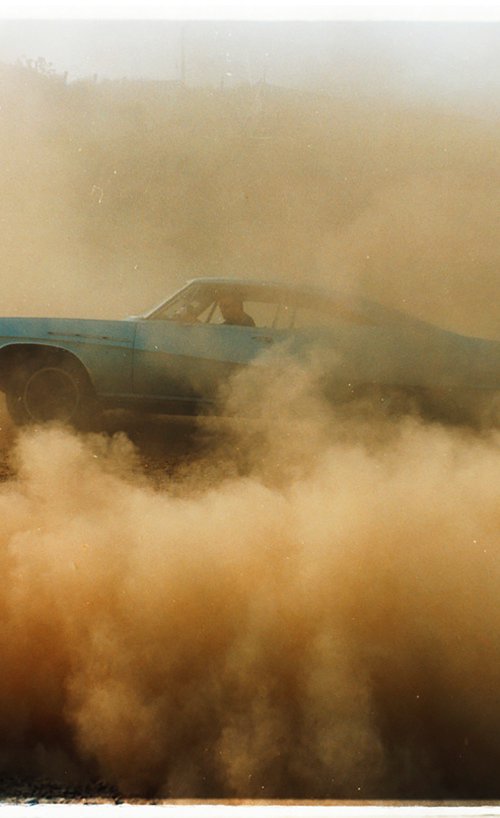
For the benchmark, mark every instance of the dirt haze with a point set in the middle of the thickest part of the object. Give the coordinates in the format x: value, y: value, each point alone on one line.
x: 305, y: 605
x: 318, y: 619
x: 119, y: 191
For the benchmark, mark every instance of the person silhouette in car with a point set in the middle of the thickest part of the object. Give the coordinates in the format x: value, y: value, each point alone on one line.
x: 232, y: 311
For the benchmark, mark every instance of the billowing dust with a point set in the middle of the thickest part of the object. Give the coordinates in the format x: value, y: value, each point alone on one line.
x: 300, y: 605
x: 310, y: 609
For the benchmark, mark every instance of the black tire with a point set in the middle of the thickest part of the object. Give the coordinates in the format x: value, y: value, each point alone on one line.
x: 51, y: 388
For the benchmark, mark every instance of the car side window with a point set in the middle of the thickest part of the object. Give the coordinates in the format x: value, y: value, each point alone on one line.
x: 262, y: 312
x: 200, y: 305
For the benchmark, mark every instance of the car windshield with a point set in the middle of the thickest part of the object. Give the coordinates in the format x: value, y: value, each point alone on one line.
x: 184, y: 306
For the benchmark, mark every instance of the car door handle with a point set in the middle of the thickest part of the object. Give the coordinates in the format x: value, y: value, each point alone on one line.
x: 268, y: 339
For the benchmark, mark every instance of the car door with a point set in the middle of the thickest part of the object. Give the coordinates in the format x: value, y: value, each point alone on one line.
x: 189, y: 362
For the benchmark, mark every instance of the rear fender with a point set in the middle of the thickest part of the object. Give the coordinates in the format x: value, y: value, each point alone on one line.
x: 14, y: 356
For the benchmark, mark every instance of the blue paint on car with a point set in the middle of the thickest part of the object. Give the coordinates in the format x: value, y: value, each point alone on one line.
x: 177, y: 357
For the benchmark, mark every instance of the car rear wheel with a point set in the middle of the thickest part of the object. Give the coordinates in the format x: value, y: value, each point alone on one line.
x: 44, y: 390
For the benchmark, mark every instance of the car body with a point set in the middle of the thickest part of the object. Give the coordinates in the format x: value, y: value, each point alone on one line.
x: 176, y: 358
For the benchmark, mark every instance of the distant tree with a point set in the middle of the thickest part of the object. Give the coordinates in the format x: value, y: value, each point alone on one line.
x: 39, y: 66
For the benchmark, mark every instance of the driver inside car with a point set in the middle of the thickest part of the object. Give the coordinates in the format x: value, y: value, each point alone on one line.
x: 232, y: 312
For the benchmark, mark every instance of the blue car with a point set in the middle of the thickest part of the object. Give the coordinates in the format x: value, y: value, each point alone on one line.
x: 175, y: 358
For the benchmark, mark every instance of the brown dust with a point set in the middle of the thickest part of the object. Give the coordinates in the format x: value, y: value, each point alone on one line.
x: 314, y: 618
x: 304, y: 605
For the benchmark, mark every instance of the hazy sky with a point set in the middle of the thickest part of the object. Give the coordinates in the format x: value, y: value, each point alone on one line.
x: 455, y: 61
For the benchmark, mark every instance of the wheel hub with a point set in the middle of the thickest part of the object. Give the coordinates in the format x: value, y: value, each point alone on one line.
x: 51, y: 393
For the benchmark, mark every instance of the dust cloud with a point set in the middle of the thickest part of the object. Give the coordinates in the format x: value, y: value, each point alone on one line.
x: 117, y: 192
x: 301, y: 605
x: 312, y: 616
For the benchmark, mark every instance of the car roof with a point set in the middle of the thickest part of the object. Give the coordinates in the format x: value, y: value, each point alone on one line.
x: 241, y: 282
